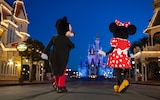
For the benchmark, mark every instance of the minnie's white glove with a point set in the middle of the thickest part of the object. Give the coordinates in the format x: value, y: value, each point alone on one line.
x: 131, y: 56
x: 102, y: 53
x: 44, y: 56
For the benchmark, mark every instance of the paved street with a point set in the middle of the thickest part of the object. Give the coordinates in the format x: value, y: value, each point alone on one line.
x: 79, y: 90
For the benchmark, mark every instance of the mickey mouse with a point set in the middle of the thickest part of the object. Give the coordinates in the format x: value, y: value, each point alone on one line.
x: 118, y: 56
x: 60, y: 53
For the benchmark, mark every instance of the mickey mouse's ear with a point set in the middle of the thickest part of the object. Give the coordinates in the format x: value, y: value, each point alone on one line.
x: 132, y: 29
x: 112, y: 27
x: 62, y: 26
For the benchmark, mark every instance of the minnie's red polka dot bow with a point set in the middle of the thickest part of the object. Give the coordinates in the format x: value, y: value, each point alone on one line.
x: 126, y: 24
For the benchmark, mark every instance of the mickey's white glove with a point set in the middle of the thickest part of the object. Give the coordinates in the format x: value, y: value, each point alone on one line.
x: 102, y: 53
x: 131, y: 56
x: 44, y: 56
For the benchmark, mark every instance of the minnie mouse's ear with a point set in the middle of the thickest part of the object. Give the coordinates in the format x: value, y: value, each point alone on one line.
x: 131, y: 29
x: 112, y: 27
x: 65, y: 19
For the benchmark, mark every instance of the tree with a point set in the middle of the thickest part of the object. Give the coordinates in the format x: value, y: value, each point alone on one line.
x: 138, y: 45
x: 33, y: 52
x: 34, y: 49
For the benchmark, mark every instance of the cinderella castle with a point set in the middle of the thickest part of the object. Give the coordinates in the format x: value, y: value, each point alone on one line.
x: 95, y: 65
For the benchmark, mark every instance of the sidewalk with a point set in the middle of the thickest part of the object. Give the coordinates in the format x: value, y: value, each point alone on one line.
x: 16, y: 82
x: 150, y: 82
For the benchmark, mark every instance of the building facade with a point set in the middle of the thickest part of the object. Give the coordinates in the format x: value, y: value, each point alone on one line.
x: 13, y: 31
x: 147, y: 61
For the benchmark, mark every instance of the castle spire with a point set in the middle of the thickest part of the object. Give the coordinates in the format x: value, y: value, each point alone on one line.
x: 97, y: 41
x: 97, y: 37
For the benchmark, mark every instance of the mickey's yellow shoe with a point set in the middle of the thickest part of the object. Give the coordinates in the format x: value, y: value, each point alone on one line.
x: 123, y: 87
x: 116, y: 87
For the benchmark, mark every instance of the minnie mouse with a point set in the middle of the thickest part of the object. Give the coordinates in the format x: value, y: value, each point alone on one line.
x: 118, y: 56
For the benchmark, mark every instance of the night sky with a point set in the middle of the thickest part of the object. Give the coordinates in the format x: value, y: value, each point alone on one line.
x: 88, y: 18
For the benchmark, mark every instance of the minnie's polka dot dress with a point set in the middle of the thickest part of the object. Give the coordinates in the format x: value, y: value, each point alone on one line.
x: 119, y: 58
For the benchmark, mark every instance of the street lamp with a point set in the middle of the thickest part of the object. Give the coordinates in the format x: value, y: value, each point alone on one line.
x: 21, y: 47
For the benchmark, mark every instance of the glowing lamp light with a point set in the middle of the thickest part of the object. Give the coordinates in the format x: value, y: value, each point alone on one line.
x: 22, y: 47
x: 10, y: 62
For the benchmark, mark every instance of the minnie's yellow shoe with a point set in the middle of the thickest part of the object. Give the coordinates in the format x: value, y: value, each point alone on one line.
x: 123, y: 87
x: 116, y: 87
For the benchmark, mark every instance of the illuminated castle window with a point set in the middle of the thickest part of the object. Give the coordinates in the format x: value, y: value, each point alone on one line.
x: 92, y: 52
